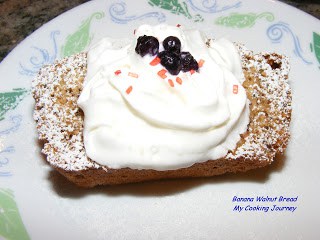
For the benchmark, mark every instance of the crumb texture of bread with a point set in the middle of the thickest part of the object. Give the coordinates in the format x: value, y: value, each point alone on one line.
x: 60, y: 121
x: 268, y: 90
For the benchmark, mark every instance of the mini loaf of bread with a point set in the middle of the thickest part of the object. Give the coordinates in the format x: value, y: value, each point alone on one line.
x: 60, y: 123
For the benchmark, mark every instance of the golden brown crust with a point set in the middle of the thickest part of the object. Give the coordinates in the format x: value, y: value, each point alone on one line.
x: 60, y: 123
x: 93, y: 177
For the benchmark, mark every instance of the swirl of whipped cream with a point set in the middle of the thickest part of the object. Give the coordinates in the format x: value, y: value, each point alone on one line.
x: 138, y: 118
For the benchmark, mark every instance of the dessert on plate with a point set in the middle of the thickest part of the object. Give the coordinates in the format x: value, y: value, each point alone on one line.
x: 169, y: 103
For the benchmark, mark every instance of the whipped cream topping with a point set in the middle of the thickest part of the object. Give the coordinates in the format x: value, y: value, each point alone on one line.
x: 138, y: 118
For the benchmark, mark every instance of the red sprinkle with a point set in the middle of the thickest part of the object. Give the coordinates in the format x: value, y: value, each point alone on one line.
x: 155, y: 61
x: 171, y: 83
x: 178, y: 25
x: 162, y: 73
x: 117, y: 72
x: 192, y: 71
x: 134, y: 75
x: 235, y: 89
x: 179, y: 80
x: 201, y: 62
x: 129, y: 89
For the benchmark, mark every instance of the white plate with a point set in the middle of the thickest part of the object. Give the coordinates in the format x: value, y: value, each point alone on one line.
x: 37, y: 203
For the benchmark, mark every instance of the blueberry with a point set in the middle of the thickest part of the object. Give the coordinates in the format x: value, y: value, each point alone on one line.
x: 171, y: 61
x: 147, y: 45
x: 188, y: 62
x: 172, y: 44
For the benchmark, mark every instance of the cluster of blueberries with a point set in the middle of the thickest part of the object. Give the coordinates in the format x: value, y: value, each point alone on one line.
x: 171, y: 58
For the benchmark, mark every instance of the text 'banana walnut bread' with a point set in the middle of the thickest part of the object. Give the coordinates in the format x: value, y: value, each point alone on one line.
x: 171, y: 103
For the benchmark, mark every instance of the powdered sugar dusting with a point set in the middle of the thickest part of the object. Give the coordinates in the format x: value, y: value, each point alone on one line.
x: 270, y: 111
x: 59, y: 120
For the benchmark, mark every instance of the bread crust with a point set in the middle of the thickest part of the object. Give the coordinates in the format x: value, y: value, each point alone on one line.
x: 60, y: 123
